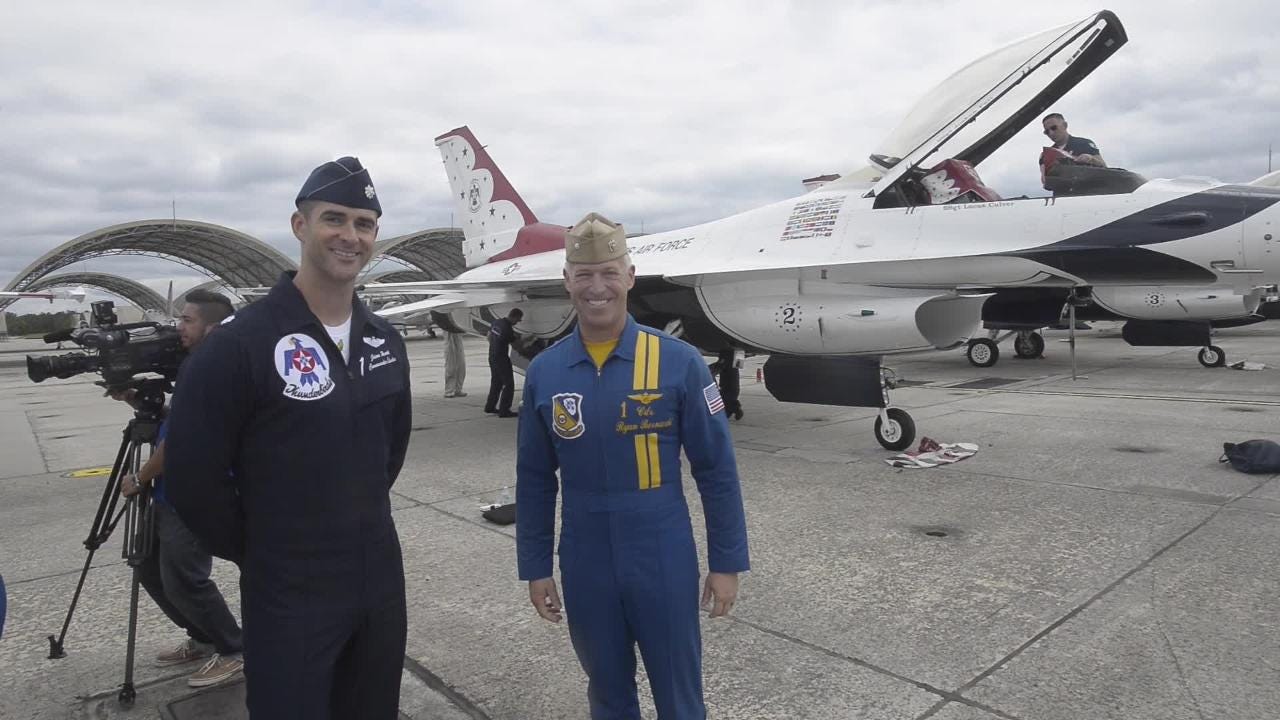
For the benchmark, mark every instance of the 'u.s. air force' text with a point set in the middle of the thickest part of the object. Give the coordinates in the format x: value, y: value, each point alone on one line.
x: 662, y: 247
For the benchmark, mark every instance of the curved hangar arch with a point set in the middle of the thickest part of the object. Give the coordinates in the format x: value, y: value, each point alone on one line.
x: 143, y: 297
x: 392, y: 276
x: 237, y: 259
x: 436, y: 252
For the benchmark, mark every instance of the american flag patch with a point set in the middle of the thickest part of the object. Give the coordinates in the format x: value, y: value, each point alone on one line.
x: 711, y: 394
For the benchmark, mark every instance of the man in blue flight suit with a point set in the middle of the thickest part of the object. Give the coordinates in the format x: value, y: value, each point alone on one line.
x: 293, y: 423
x: 611, y: 406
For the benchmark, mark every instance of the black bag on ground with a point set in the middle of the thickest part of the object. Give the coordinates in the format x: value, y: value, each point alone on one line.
x: 501, y: 515
x: 1252, y: 456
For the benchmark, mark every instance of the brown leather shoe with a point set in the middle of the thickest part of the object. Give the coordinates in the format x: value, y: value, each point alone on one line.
x: 187, y: 651
x: 218, y: 669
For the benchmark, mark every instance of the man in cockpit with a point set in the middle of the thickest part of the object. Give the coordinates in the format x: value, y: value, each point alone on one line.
x: 1082, y: 151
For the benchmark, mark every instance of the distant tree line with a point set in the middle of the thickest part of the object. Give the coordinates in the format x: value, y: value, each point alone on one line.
x: 41, y: 323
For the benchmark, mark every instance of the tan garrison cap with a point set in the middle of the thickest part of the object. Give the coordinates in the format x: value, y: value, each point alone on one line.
x: 595, y: 239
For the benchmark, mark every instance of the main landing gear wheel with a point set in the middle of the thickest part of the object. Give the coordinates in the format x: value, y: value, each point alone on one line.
x: 1212, y: 356
x: 982, y: 352
x: 895, y: 429
x: 1028, y: 346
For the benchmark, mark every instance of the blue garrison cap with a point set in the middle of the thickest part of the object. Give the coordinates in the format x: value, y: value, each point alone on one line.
x: 343, y: 182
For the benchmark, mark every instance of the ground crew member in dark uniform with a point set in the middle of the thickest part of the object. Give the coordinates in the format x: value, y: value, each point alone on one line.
x: 502, y: 378
x: 610, y: 406
x: 728, y: 376
x: 292, y: 424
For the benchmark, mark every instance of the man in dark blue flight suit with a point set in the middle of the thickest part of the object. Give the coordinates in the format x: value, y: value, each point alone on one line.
x: 610, y: 406
x: 727, y: 375
x: 293, y: 423
x: 502, y: 378
x: 1077, y: 149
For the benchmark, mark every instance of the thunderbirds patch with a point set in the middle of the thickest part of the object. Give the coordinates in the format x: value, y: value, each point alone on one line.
x: 300, y: 362
x: 566, y: 415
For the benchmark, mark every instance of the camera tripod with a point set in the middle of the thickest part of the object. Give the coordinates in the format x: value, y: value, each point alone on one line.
x: 137, y: 513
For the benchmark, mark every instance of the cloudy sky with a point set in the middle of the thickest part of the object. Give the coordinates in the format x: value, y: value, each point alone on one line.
x: 659, y: 114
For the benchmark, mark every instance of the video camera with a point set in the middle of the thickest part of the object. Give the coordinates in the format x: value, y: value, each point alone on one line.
x: 118, y: 352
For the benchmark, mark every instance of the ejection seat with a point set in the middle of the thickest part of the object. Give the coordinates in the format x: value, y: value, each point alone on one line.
x: 1066, y: 177
x: 955, y: 181
x: 949, y: 182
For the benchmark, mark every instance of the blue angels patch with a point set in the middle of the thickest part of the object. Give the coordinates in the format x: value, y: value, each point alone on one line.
x: 566, y: 415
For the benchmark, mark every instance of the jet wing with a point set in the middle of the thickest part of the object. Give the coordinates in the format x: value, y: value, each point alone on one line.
x: 457, y: 294
x: 473, y: 293
x: 976, y: 110
x: 439, y: 302
x: 76, y: 294
x: 510, y: 284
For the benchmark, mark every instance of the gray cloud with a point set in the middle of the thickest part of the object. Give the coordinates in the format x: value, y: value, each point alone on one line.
x: 665, y: 114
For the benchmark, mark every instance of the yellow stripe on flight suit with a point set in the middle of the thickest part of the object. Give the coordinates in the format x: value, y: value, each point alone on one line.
x: 642, y: 358
x: 645, y: 377
x: 655, y: 463
x: 642, y: 461
x: 655, y: 354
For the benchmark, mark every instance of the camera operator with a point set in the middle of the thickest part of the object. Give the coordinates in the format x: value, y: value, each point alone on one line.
x: 177, y: 570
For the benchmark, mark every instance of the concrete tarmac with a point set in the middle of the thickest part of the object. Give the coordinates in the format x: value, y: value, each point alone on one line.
x: 1093, y: 560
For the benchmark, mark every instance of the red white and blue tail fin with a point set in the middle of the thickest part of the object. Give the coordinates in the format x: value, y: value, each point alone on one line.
x: 496, y: 222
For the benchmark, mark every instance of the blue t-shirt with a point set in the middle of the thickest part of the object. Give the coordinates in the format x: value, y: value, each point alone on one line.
x: 1078, y: 146
x: 157, y: 485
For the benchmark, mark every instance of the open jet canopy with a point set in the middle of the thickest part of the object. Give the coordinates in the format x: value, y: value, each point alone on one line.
x: 971, y: 114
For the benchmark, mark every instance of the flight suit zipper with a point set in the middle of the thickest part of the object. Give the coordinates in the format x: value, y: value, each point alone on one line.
x: 353, y: 410
x: 602, y: 455
x: 602, y: 442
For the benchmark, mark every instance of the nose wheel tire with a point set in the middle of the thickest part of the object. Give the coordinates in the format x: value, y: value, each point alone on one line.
x: 1029, y: 346
x: 895, y: 430
x: 1212, y: 356
x: 982, y: 352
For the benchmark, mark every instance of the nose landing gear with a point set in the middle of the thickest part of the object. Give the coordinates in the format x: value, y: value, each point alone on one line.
x: 843, y: 381
x: 1212, y: 356
x: 895, y: 429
